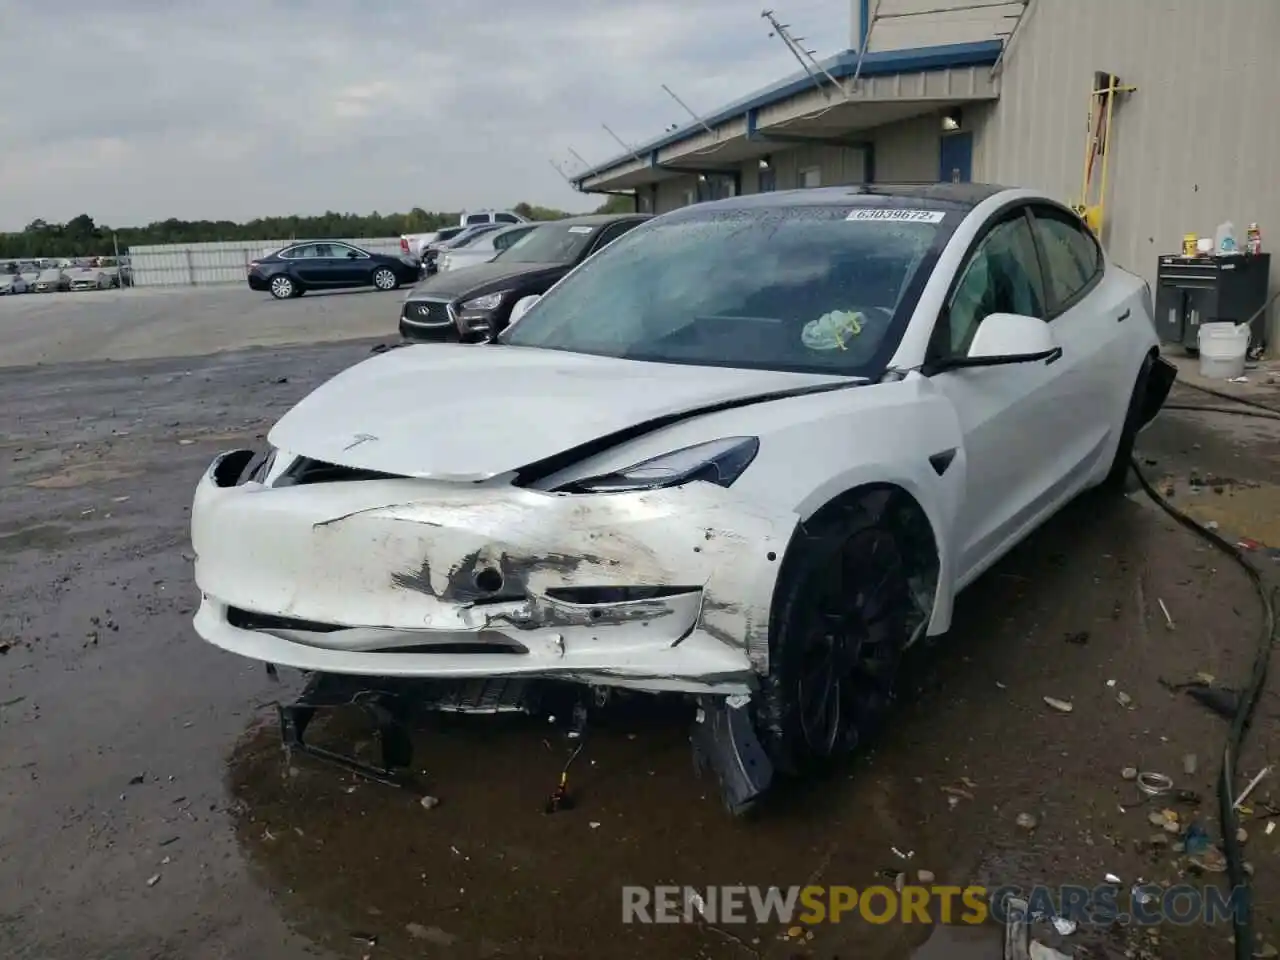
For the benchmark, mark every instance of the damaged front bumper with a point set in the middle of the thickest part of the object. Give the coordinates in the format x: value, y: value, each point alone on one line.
x: 664, y: 590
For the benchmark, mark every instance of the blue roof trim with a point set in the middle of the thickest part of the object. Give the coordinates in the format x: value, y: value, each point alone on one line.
x: 912, y: 60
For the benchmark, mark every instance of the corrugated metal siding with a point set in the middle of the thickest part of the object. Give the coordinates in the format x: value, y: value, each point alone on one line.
x: 945, y: 22
x: 1196, y: 144
x: 199, y: 264
x: 908, y: 151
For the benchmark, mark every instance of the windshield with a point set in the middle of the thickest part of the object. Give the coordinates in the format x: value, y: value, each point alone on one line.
x: 551, y: 243
x: 801, y: 289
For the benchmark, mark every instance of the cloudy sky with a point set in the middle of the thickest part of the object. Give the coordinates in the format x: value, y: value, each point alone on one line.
x: 139, y: 110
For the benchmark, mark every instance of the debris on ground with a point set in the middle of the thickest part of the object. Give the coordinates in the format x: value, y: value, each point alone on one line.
x: 153, y: 880
x: 1129, y: 773
x: 1079, y: 638
x: 1168, y: 620
x: 429, y: 803
x: 1189, y: 764
x: 1040, y: 952
x: 1026, y: 821
x: 432, y: 935
x: 1062, y: 706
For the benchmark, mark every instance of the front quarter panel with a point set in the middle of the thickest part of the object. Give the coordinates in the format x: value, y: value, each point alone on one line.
x: 814, y: 448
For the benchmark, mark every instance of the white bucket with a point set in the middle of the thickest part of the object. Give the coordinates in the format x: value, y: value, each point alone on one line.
x: 1223, y: 347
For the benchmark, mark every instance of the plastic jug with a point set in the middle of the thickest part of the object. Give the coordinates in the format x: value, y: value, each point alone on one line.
x: 1224, y: 241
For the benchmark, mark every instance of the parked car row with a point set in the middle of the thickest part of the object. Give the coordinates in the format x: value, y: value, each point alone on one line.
x: 52, y: 276
x: 480, y: 280
x: 415, y: 244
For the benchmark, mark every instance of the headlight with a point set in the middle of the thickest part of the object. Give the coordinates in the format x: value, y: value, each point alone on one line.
x: 718, y: 461
x: 489, y: 301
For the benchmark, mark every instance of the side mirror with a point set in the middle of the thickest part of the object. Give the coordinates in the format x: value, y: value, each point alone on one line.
x: 1012, y: 338
x: 523, y: 305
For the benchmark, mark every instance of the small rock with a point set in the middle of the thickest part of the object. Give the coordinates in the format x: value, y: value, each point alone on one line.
x: 1062, y: 706
x: 1026, y: 821
x: 1129, y: 773
x: 153, y: 880
x: 1124, y: 699
x: 925, y: 877
x: 429, y: 803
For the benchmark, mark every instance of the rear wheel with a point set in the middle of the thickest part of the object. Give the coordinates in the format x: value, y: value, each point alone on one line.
x: 384, y: 278
x: 837, y: 641
x: 282, y: 287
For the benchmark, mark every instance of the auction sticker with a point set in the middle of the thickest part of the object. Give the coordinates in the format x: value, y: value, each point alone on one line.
x: 888, y: 215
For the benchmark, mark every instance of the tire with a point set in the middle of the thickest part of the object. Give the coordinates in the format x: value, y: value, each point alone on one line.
x: 1117, y: 477
x: 849, y: 572
x: 385, y: 279
x: 282, y: 287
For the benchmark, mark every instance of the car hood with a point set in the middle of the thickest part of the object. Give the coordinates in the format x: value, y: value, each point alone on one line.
x: 461, y: 281
x: 46, y: 275
x: 470, y: 412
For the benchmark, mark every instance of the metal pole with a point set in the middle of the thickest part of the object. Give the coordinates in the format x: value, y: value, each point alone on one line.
x: 697, y: 119
x: 623, y: 144
x: 577, y: 156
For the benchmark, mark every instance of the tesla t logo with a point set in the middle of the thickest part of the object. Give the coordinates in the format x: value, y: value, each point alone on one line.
x: 359, y: 439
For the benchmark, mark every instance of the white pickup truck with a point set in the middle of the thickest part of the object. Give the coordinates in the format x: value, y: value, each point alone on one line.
x: 412, y: 244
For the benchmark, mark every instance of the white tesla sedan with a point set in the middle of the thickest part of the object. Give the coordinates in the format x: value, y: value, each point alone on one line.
x: 750, y: 451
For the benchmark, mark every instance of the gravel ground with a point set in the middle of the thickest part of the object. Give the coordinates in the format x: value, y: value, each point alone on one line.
x: 132, y: 751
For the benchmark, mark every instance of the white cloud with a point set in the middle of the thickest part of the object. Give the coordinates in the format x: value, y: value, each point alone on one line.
x: 138, y: 110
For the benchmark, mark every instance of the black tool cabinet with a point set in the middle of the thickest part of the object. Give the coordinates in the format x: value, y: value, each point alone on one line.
x: 1195, y: 290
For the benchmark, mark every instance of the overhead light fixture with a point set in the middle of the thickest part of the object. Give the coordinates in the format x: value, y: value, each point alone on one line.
x: 766, y: 162
x: 702, y: 178
x: 951, y: 120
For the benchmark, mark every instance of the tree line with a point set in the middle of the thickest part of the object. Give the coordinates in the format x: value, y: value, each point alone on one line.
x: 82, y: 237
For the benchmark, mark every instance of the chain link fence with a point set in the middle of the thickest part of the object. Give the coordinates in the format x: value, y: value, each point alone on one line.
x: 207, y: 264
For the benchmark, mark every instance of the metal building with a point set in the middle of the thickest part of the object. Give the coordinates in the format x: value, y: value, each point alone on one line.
x: 1002, y: 93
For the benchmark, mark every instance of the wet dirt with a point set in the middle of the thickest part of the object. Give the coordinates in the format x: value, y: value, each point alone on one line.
x: 132, y: 751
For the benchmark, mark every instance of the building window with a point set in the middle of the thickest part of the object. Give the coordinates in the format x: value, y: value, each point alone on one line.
x: 811, y: 177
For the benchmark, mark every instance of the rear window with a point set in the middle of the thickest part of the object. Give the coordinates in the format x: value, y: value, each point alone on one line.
x: 473, y: 218
x: 813, y: 289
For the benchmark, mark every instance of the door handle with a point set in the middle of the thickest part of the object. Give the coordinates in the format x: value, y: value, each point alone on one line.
x: 1053, y: 357
x: 1124, y: 316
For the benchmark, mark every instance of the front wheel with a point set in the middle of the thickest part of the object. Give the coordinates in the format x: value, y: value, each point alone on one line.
x: 1118, y: 476
x: 385, y: 279
x: 282, y: 288
x: 838, y: 634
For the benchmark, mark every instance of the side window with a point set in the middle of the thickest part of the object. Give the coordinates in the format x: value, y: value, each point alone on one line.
x: 475, y: 218
x: 1071, y: 255
x: 1001, y: 276
x: 302, y: 251
x: 505, y: 218
x: 611, y: 233
x: 328, y: 251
